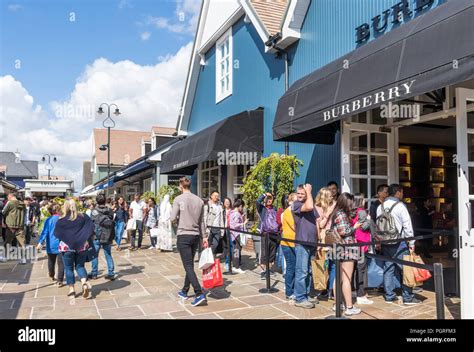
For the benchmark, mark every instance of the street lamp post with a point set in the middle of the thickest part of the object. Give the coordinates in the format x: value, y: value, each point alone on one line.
x: 108, y: 123
x: 49, y: 165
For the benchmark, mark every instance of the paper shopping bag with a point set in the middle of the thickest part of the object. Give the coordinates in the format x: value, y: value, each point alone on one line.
x: 408, y: 273
x: 207, y: 259
x: 212, y: 277
x: 320, y: 271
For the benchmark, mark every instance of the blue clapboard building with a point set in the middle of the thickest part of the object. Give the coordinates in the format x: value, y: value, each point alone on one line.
x: 364, y: 92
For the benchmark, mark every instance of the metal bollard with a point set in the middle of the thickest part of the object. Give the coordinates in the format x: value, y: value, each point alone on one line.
x: 439, y: 290
x: 338, y: 285
x: 268, y: 289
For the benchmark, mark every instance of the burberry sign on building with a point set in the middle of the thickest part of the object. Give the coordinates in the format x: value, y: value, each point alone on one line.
x: 397, y: 14
x: 393, y: 93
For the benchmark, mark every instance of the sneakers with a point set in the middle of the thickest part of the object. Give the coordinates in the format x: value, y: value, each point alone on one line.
x: 391, y: 300
x: 3, y: 259
x: 352, y: 311
x: 304, y: 304
x: 313, y: 300
x: 23, y: 261
x: 201, y: 299
x: 183, y: 295
x: 413, y: 302
x: 291, y: 300
x: 92, y: 277
x: 364, y: 300
x: 238, y: 271
x: 263, y: 275
x: 343, y: 307
x: 111, y: 277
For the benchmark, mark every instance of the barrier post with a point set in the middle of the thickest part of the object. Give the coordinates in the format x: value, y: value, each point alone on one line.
x: 439, y: 290
x: 268, y: 288
x: 338, y: 287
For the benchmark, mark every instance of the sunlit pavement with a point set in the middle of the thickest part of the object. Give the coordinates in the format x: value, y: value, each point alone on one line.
x: 147, y: 286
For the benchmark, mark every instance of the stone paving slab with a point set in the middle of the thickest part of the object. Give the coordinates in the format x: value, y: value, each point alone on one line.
x: 147, y: 289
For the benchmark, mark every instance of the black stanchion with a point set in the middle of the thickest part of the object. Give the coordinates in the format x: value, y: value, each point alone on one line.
x: 267, y: 289
x: 338, y: 288
x: 439, y: 290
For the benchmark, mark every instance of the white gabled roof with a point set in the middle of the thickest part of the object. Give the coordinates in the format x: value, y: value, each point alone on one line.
x: 217, y: 16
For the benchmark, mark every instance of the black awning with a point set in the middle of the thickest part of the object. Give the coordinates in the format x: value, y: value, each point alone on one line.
x: 428, y: 53
x: 236, y: 134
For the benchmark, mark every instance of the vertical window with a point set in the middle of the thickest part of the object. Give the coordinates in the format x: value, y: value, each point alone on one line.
x: 210, y: 178
x: 224, y: 66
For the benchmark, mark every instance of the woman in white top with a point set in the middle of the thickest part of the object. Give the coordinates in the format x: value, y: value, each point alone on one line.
x: 163, y: 241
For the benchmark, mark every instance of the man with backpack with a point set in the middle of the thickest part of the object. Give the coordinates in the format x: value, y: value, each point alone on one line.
x: 394, y: 222
x: 103, y: 219
x: 268, y: 224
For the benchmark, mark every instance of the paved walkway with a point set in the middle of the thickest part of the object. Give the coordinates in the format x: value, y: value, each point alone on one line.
x: 147, y: 287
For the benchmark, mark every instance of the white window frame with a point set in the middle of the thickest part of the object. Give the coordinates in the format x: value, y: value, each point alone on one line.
x: 227, y: 36
x: 391, y: 154
x: 201, y: 171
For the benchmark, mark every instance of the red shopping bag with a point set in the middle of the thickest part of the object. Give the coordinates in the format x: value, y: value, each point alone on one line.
x: 420, y: 274
x: 212, y: 277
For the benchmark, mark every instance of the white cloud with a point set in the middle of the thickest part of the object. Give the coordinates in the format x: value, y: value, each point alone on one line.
x: 15, y: 7
x: 146, y: 96
x: 123, y: 4
x: 145, y: 36
x: 185, y: 20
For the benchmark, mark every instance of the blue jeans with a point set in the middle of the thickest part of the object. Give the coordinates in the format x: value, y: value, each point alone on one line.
x: 302, y: 272
x: 74, y: 260
x: 119, y: 227
x: 332, y: 273
x: 108, y: 257
x: 392, y: 270
x: 290, y: 258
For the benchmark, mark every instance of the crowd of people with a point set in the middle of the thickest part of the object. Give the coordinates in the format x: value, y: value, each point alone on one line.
x: 305, y: 222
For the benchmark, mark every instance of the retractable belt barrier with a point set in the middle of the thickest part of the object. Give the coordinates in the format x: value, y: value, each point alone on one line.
x: 436, y: 268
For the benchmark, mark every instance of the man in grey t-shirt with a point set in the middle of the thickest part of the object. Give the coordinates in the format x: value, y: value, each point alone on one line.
x: 188, y: 210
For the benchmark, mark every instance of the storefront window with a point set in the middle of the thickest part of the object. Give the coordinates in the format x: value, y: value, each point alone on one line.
x: 209, y: 178
x: 239, y: 178
x: 359, y: 141
x: 379, y: 165
x: 470, y: 119
x: 359, y: 164
x: 378, y: 142
x: 359, y: 185
x: 470, y: 147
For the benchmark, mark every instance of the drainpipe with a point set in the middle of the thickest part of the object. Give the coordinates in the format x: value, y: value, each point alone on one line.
x: 272, y: 43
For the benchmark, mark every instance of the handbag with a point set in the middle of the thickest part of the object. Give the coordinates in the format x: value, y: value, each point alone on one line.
x: 154, y: 232
x: 333, y: 237
x: 131, y: 225
x: 207, y: 259
x: 212, y: 277
x: 91, y: 252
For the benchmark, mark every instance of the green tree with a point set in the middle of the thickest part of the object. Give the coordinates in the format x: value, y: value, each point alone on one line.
x: 275, y: 174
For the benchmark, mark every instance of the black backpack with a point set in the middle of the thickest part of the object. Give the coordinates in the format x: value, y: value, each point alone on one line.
x: 104, y: 225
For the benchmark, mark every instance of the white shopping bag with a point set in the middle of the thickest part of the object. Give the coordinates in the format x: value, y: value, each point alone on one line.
x: 125, y: 234
x: 206, y: 260
x: 131, y: 225
x: 154, y: 232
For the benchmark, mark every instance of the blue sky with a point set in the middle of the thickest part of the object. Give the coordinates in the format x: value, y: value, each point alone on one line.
x: 54, y: 50
x: 75, y: 54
